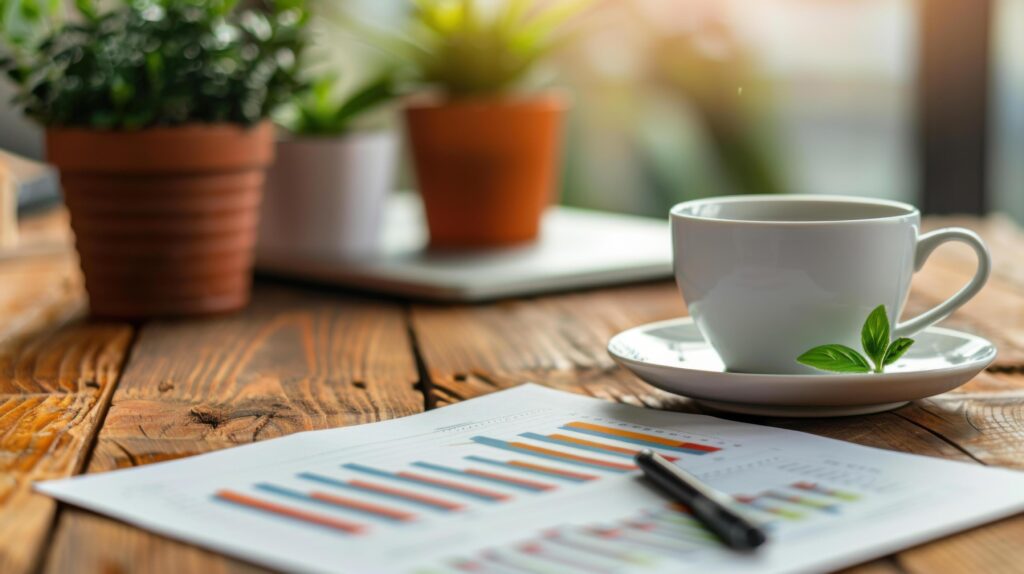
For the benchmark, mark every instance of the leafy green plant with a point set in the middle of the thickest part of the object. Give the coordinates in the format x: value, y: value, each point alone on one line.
x: 316, y: 111
x: 874, y: 338
x: 471, y: 48
x: 146, y: 63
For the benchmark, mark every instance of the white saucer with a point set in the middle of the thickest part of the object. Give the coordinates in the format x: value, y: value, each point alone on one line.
x: 673, y: 356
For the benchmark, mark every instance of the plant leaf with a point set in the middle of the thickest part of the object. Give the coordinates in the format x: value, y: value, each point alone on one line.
x: 835, y: 358
x: 874, y: 337
x: 896, y: 350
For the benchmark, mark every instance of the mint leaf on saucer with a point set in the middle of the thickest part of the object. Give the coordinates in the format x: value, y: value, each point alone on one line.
x: 874, y: 337
x: 835, y: 358
x: 896, y: 350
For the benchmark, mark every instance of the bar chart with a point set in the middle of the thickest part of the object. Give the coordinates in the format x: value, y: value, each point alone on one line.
x: 528, y: 464
x: 532, y: 481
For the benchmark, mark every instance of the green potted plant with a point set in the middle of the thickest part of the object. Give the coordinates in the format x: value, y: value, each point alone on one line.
x: 485, y: 149
x: 326, y: 193
x: 155, y: 114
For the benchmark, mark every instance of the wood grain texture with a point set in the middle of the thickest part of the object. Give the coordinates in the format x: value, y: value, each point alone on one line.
x: 57, y: 374
x: 53, y: 393
x: 992, y: 549
x: 294, y: 360
x: 555, y: 340
x: 988, y: 428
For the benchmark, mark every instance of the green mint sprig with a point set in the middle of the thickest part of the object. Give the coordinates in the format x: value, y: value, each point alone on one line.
x: 874, y: 337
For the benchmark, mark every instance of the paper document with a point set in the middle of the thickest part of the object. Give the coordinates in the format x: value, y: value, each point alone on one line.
x: 532, y: 480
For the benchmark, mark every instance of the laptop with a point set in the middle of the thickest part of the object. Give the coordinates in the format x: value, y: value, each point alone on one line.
x: 577, y: 249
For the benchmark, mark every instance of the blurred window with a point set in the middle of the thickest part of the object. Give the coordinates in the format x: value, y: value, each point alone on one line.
x: 1007, y: 123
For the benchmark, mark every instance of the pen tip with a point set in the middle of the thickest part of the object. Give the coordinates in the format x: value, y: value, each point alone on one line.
x: 754, y: 538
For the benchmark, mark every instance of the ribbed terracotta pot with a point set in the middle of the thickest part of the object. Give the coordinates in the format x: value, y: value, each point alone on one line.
x: 165, y: 219
x: 486, y: 168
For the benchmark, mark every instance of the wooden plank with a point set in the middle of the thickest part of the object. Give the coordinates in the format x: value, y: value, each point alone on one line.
x: 54, y: 389
x: 993, y: 548
x: 557, y: 340
x: 56, y: 378
x: 295, y: 360
x: 990, y: 428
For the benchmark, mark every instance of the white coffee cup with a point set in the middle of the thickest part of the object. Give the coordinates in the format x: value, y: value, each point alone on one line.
x: 767, y: 277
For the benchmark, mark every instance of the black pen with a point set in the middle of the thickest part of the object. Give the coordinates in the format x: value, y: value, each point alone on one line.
x: 710, y: 507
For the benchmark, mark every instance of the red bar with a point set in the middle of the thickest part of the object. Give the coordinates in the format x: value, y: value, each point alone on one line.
x: 455, y: 486
x: 363, y: 506
x: 511, y: 480
x: 440, y: 503
x: 645, y: 526
x: 290, y: 512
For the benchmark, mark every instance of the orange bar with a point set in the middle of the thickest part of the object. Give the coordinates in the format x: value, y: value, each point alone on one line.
x: 559, y: 454
x: 455, y: 486
x: 363, y: 506
x: 607, y: 447
x: 290, y: 512
x: 641, y: 436
x: 511, y: 480
x: 429, y: 500
x: 541, y: 468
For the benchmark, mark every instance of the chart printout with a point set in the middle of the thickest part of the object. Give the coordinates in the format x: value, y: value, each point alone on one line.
x: 532, y: 480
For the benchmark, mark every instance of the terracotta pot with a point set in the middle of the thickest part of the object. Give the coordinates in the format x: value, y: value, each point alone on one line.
x: 487, y: 169
x: 165, y: 218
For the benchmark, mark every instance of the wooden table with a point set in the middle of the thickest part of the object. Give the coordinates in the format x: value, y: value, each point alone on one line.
x: 89, y: 396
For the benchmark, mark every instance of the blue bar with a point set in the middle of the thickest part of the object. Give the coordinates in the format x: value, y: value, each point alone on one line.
x: 355, y: 488
x: 553, y: 440
x: 536, y: 471
x: 490, y: 479
x: 393, y: 476
x: 266, y: 487
x: 641, y: 442
x: 506, y: 446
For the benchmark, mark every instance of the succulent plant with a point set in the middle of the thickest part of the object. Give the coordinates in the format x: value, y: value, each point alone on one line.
x: 146, y: 63
x: 469, y: 48
x: 318, y: 111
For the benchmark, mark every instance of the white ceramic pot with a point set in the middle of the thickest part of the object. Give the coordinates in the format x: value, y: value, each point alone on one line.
x: 325, y: 196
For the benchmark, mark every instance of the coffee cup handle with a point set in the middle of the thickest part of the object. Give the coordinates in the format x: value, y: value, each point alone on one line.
x: 925, y: 245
